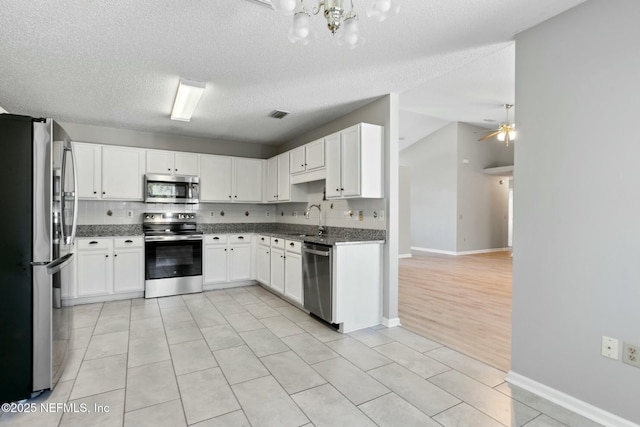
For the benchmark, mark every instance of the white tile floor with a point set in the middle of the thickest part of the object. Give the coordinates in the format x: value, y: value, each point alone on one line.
x: 244, y: 357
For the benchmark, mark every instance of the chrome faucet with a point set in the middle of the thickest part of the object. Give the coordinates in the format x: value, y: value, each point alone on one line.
x: 320, y: 227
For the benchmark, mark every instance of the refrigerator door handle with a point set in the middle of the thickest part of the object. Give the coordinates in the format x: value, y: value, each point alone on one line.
x: 75, y: 195
x: 54, y: 266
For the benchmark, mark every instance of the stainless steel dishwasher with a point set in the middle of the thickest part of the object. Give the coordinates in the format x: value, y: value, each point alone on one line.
x: 317, y: 263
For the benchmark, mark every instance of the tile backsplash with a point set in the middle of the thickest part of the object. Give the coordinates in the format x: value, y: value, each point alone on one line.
x: 334, y: 213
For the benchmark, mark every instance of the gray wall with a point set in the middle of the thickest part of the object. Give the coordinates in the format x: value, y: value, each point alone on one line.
x: 432, y: 162
x: 132, y: 138
x: 455, y: 207
x: 404, y: 210
x: 576, y: 274
x: 483, y: 203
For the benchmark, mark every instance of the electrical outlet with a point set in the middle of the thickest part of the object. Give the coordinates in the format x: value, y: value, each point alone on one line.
x: 129, y: 214
x: 631, y: 354
x: 295, y: 214
x: 610, y: 347
x: 360, y: 216
x: 267, y: 214
x: 212, y: 213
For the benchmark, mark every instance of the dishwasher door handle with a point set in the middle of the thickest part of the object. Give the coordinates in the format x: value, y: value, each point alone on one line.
x: 314, y: 252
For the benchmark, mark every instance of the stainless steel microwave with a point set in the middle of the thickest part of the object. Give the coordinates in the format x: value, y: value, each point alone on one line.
x: 171, y: 189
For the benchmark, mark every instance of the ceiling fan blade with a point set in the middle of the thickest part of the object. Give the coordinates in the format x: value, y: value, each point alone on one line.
x: 491, y: 135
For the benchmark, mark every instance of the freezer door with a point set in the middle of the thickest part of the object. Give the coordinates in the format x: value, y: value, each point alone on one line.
x: 42, y: 298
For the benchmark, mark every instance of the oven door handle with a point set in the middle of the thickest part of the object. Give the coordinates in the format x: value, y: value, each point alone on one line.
x: 173, y: 238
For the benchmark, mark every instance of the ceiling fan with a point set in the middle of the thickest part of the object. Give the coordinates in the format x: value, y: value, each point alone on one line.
x: 506, y: 131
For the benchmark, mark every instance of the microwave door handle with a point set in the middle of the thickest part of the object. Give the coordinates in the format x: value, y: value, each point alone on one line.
x: 189, y: 191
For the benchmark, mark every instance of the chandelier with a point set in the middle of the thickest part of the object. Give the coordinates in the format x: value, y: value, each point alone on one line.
x: 335, y: 14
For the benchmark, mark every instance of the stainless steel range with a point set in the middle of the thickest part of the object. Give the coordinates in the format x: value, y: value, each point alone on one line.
x: 173, y: 253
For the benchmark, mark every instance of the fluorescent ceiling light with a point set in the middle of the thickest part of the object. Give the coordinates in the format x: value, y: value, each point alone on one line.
x: 187, y: 98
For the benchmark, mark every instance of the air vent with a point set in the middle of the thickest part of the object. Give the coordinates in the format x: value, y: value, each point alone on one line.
x: 277, y: 114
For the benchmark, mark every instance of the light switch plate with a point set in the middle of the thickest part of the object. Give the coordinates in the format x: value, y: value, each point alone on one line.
x: 610, y: 347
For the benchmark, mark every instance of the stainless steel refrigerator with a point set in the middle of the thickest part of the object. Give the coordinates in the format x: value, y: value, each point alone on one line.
x: 38, y: 217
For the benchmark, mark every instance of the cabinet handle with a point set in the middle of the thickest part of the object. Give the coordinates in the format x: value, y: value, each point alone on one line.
x: 229, y: 195
x: 292, y: 244
x: 231, y: 248
x: 106, y: 256
x: 306, y: 164
x: 342, y: 189
x: 176, y: 170
x: 302, y: 165
x: 93, y: 242
x: 114, y: 255
x: 128, y: 241
x: 276, y: 240
x: 236, y: 196
x: 262, y: 238
x: 337, y: 189
x: 267, y: 251
x: 104, y: 192
x: 95, y: 192
x: 169, y: 169
x: 225, y: 249
x: 240, y: 237
x: 216, y: 238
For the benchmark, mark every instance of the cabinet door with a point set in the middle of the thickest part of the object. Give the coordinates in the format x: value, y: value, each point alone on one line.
x: 94, y: 273
x: 247, y: 178
x: 215, y: 178
x: 264, y: 265
x: 284, y: 183
x: 297, y: 163
x: 215, y: 263
x: 272, y: 179
x: 314, y: 155
x: 159, y: 162
x: 88, y: 165
x: 185, y: 164
x: 293, y: 277
x: 122, y: 173
x: 128, y: 270
x: 240, y: 262
x: 277, y: 270
x: 334, y: 180
x: 351, y: 162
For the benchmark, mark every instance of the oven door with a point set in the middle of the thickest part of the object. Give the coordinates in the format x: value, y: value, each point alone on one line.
x: 173, y: 258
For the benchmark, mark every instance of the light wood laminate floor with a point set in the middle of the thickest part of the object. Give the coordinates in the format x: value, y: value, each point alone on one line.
x: 463, y: 302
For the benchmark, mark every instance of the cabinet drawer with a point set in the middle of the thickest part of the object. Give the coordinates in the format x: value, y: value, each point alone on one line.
x: 240, y: 238
x: 277, y: 242
x: 128, y: 242
x: 293, y: 246
x: 101, y: 243
x: 264, y: 240
x: 215, y: 239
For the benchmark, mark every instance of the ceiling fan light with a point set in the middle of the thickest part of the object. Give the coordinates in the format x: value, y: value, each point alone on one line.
x: 286, y: 7
x: 512, y: 135
x: 382, y: 9
x: 502, y: 136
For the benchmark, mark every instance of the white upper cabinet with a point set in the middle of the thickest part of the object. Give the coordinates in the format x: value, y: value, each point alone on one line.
x: 279, y: 179
x: 247, y: 179
x: 170, y: 162
x: 307, y: 158
x: 122, y: 172
x: 89, y: 169
x: 215, y: 178
x: 354, y: 162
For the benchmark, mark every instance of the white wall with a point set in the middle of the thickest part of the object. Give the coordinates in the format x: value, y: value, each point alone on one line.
x: 433, y: 193
x: 404, y: 208
x: 132, y: 138
x: 576, y: 265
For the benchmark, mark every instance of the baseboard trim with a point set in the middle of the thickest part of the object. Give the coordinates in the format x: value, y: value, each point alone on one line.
x: 438, y: 251
x: 569, y: 402
x: 391, y: 323
x: 404, y: 256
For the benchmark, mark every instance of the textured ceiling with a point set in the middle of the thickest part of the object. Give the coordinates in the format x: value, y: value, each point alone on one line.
x: 117, y: 63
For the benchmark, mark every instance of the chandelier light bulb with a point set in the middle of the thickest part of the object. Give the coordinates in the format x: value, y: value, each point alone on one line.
x: 350, y: 34
x: 382, y: 9
x: 300, y: 31
x: 286, y: 7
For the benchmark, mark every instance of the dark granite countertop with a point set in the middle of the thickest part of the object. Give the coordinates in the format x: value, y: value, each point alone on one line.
x: 306, y: 233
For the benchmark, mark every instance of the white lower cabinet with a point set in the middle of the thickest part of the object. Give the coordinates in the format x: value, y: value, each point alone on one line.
x: 293, y: 271
x: 227, y: 258
x: 107, y: 267
x: 263, y: 260
x: 277, y: 265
